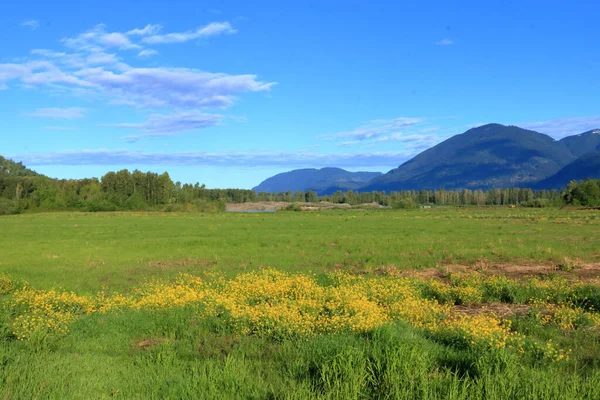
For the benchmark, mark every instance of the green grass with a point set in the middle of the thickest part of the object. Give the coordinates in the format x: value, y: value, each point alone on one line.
x: 87, y: 251
x: 174, y: 354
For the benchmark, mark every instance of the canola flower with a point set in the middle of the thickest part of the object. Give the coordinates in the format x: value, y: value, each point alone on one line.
x: 278, y: 304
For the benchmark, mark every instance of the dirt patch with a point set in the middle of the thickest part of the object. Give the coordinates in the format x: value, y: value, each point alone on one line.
x: 309, y: 208
x: 579, y: 271
x: 148, y: 343
x: 258, y: 206
x: 304, y: 206
x: 502, y: 310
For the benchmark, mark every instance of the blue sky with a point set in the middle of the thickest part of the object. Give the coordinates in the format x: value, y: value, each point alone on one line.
x: 228, y: 93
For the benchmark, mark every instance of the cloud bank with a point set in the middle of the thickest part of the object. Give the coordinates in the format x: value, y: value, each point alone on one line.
x: 259, y: 159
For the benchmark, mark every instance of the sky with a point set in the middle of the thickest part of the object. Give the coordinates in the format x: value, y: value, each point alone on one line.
x: 229, y: 93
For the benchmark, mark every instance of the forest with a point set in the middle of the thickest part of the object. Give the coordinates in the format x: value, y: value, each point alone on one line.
x: 23, y: 190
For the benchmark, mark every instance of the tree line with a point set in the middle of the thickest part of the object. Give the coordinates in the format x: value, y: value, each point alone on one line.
x: 24, y: 190
x: 412, y: 198
x: 121, y: 190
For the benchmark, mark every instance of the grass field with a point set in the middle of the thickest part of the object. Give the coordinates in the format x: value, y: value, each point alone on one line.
x: 443, y: 303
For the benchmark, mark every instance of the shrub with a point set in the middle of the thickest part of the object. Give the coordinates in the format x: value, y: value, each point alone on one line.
x: 8, y: 207
x: 404, y: 204
x: 100, y: 205
x: 293, y: 207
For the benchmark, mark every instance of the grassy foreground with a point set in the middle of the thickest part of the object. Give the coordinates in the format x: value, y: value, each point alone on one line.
x: 96, y: 306
x: 90, y: 251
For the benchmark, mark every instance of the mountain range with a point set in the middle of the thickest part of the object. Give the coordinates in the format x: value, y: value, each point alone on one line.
x: 487, y: 157
x: 322, y: 181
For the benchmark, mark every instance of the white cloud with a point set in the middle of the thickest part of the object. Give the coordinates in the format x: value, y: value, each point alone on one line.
x: 160, y: 125
x: 38, y: 73
x: 91, y: 67
x: 212, y: 29
x: 560, y: 128
x: 444, y: 42
x: 172, y: 87
x: 118, y: 40
x: 31, y: 23
x: 147, y: 53
x: 98, y: 36
x: 251, y: 159
x: 147, y: 30
x: 411, y: 142
x: 375, y: 128
x: 58, y: 113
x: 101, y: 58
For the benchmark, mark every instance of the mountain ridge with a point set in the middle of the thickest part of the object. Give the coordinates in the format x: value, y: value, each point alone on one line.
x: 317, y: 180
x: 486, y: 157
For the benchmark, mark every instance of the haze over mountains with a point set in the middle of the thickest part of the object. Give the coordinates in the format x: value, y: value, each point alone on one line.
x: 486, y: 157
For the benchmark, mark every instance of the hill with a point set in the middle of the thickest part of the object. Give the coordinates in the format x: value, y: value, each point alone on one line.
x: 582, y: 143
x: 11, y: 168
x: 586, y: 166
x: 319, y: 180
x: 489, y: 156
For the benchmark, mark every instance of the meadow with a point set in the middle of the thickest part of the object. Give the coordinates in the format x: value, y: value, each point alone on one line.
x: 443, y: 303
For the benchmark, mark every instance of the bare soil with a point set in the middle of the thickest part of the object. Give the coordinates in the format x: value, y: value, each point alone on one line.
x: 279, y: 205
x: 577, y: 272
x: 502, y: 310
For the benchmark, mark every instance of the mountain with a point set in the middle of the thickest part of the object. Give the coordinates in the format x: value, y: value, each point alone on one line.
x: 582, y: 143
x: 586, y: 166
x: 11, y: 168
x: 489, y: 156
x: 322, y: 181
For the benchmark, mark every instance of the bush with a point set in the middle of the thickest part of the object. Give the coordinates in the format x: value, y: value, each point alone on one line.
x: 8, y: 207
x: 292, y: 207
x: 404, y: 204
x: 100, y: 206
x: 135, y: 202
x: 536, y: 203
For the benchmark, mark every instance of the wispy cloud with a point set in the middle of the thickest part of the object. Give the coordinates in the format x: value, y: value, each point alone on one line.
x: 97, y: 36
x: 212, y: 29
x: 147, y: 30
x: 33, y: 24
x: 444, y: 42
x: 90, y: 63
x: 171, y: 87
x: 560, y: 128
x: 147, y: 53
x: 375, y: 129
x: 160, y: 125
x: 414, y: 142
x: 58, y: 113
x: 251, y: 159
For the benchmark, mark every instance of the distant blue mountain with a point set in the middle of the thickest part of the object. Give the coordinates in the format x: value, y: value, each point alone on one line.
x: 583, y: 143
x: 486, y: 157
x: 586, y: 166
x: 323, y: 181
